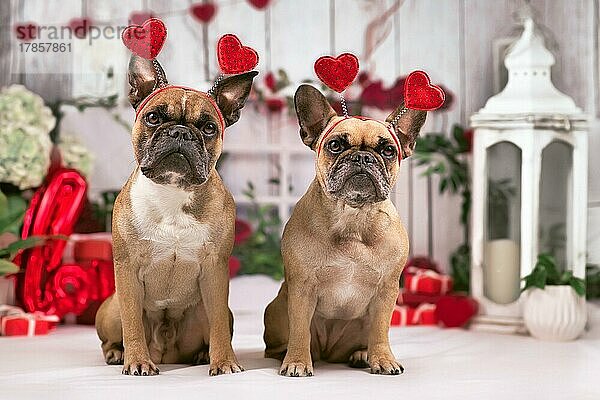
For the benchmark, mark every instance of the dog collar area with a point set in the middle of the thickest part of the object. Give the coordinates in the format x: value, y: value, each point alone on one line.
x: 203, y: 94
x: 387, y: 126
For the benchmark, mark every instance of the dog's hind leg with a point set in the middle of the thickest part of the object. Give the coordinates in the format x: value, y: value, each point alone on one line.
x: 110, y: 332
x: 277, y: 326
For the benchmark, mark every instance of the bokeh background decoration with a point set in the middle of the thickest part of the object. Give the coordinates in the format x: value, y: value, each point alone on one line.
x: 68, y: 108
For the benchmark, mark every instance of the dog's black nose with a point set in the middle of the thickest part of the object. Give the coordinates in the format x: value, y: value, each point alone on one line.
x: 180, y: 131
x: 362, y: 157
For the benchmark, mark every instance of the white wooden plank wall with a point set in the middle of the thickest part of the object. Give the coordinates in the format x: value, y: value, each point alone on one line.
x: 451, y: 39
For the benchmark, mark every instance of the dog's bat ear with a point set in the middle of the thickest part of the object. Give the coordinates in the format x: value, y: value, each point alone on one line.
x: 144, y: 77
x: 407, y: 127
x: 313, y: 111
x: 231, y: 94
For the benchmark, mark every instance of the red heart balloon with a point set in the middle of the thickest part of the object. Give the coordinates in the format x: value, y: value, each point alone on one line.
x: 456, y: 310
x: 337, y: 72
x: 139, y: 17
x: 80, y: 27
x: 259, y: 4
x: 203, y: 12
x: 233, y: 57
x: 26, y: 31
x: 420, y: 94
x: 146, y: 40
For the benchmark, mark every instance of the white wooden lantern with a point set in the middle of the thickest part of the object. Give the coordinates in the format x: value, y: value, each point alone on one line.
x: 529, y: 183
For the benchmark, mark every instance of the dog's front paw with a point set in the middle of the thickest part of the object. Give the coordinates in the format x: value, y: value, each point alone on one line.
x: 384, y: 365
x: 296, y: 368
x: 144, y: 367
x: 227, y: 366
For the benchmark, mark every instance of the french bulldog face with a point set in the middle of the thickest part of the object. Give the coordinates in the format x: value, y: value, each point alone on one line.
x: 177, y: 136
x: 357, y: 161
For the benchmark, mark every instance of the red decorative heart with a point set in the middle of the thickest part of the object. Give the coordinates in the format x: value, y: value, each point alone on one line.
x: 203, y: 12
x: 337, y: 72
x: 80, y: 27
x: 139, y: 17
x: 146, y: 40
x: 456, y: 310
x: 420, y: 94
x: 26, y: 31
x: 259, y: 4
x: 233, y: 57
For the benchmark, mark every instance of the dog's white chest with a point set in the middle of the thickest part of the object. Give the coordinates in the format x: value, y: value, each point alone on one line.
x: 159, y: 217
x: 175, y: 237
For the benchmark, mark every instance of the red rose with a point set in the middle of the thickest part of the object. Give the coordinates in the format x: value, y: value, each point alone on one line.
x: 468, y: 134
x: 243, y: 230
x: 364, y: 79
x: 375, y: 95
x: 234, y: 266
x: 270, y: 81
x: 274, y: 104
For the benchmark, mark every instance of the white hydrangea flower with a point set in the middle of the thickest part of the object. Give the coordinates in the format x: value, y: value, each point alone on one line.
x: 24, y: 142
x: 75, y: 155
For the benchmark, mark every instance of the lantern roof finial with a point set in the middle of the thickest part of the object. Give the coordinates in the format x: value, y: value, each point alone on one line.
x: 529, y: 89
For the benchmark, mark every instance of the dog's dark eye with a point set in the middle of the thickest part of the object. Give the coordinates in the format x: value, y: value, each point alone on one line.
x: 335, y: 146
x: 388, y: 151
x: 209, y: 129
x: 152, y: 119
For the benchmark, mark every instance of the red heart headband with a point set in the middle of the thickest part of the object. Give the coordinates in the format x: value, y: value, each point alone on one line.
x: 147, y: 40
x: 339, y: 72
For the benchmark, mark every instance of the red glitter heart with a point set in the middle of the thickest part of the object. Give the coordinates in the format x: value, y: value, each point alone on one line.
x: 259, y: 4
x: 146, y: 40
x: 204, y: 12
x: 420, y: 94
x: 337, y: 72
x: 80, y: 27
x: 233, y: 57
x: 139, y: 17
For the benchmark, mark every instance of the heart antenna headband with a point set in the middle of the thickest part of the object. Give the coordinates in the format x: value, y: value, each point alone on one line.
x: 339, y: 72
x: 147, y: 41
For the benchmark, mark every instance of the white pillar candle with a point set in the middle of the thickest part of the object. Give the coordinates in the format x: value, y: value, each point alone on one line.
x: 502, y: 271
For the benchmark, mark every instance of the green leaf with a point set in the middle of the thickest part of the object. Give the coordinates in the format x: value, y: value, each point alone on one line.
x: 578, y: 285
x: 10, y: 220
x: 552, y: 274
x: 7, y: 267
x: 443, y: 185
x: 459, y: 137
x: 11, y: 250
x: 3, y: 204
x: 537, y: 278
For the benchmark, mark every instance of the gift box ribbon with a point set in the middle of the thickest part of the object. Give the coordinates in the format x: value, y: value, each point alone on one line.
x: 424, y: 314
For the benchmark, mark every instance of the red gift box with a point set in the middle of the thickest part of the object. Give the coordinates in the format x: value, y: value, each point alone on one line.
x: 15, y: 322
x: 425, y: 315
x: 421, y: 315
x: 426, y: 281
x: 402, y: 315
x: 416, y: 299
x: 95, y: 249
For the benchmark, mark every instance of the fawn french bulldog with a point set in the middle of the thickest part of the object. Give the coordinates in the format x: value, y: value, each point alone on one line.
x: 344, y: 246
x: 173, y: 229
